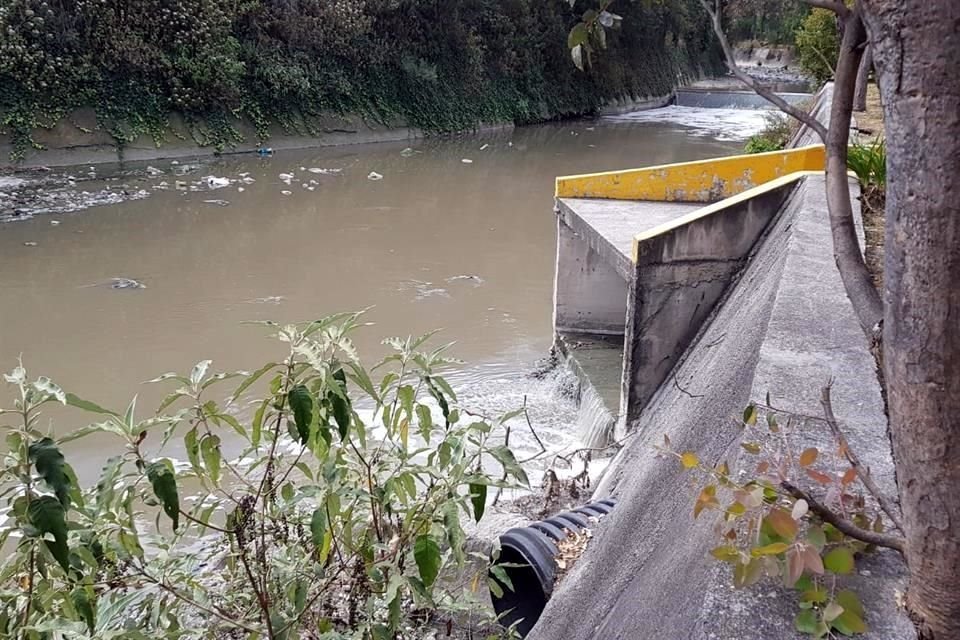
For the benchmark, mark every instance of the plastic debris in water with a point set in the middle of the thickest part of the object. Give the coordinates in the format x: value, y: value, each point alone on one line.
x: 467, y: 161
x: 54, y: 222
x: 126, y: 283
x: 29, y: 244
x: 406, y: 153
x: 484, y: 147
x: 324, y: 172
x: 219, y: 203
x: 264, y: 151
x: 153, y: 171
x: 213, y: 182
x: 286, y: 177
x: 374, y: 176
x: 286, y: 193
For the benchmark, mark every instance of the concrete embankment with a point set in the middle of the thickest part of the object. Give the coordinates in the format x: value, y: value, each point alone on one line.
x: 781, y: 327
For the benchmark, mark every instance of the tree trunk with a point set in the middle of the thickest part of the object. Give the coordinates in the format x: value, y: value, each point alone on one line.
x: 917, y: 54
x: 863, y: 80
x: 846, y: 245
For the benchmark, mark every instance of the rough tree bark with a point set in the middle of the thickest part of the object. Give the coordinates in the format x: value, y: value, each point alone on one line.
x: 917, y: 55
x: 863, y: 80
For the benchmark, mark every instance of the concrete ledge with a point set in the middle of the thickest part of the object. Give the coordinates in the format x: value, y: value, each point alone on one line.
x: 683, y: 269
x: 700, y: 181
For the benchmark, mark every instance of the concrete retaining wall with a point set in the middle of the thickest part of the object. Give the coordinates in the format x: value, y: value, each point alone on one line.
x: 78, y: 139
x: 682, y: 271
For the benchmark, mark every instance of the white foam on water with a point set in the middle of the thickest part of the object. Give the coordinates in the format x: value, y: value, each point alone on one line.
x: 595, y: 423
x: 723, y: 124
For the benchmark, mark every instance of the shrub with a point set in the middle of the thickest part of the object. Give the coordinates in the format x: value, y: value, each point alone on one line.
x: 776, y: 134
x: 818, y: 44
x: 439, y: 66
x: 330, y: 505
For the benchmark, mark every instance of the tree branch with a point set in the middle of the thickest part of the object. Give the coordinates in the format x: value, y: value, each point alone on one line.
x: 885, y: 504
x: 764, y: 92
x: 830, y: 5
x: 857, y: 282
x: 845, y: 526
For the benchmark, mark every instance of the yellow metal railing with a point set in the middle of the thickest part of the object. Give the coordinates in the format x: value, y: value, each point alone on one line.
x: 700, y: 181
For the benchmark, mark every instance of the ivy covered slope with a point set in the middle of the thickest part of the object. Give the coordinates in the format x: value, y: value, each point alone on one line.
x: 439, y: 65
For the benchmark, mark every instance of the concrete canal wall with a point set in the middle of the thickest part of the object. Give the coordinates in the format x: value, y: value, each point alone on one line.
x: 726, y: 303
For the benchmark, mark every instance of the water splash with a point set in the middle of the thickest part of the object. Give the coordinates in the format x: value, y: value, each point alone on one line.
x: 595, y: 422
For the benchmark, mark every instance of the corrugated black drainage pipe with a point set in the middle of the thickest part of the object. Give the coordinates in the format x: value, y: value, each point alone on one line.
x: 529, y: 557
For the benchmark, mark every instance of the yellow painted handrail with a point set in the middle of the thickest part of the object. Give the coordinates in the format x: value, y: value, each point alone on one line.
x: 700, y: 181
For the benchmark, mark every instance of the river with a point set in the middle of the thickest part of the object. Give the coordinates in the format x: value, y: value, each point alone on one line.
x: 458, y: 234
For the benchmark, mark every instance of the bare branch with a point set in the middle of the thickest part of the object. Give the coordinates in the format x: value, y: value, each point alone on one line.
x: 845, y: 526
x: 830, y: 5
x: 764, y: 92
x: 885, y: 504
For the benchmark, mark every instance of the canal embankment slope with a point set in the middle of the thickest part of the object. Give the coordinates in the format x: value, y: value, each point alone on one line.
x: 784, y: 329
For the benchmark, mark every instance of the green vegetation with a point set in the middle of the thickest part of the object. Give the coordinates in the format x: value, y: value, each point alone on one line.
x: 768, y: 21
x: 776, y: 134
x: 818, y: 44
x: 770, y: 529
x: 330, y: 507
x: 440, y: 66
x: 869, y: 162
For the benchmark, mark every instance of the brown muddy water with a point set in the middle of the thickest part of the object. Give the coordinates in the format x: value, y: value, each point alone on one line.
x: 438, y: 242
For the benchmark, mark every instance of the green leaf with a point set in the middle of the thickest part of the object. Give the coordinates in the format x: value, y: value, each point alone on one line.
x: 164, y: 481
x: 505, y: 457
x: 849, y: 623
x: 106, y: 485
x: 252, y: 378
x: 318, y: 526
x: 426, y: 552
x: 850, y: 601
x: 210, y: 449
x: 451, y: 522
x: 478, y: 497
x: 578, y: 35
x: 426, y: 421
x: 86, y: 405
x: 689, y: 460
x: 84, y: 600
x: 839, y: 561
x: 770, y: 550
x: 192, y: 446
x: 46, y: 513
x: 302, y: 404
x: 750, y: 415
x: 806, y: 622
x: 342, y: 414
x: 199, y: 371
x: 48, y: 460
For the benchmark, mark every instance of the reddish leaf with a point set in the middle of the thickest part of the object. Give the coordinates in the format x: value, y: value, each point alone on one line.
x: 809, y: 456
x: 819, y: 476
x: 781, y: 522
x: 849, y: 476
x: 812, y: 560
x: 795, y: 566
x: 763, y: 467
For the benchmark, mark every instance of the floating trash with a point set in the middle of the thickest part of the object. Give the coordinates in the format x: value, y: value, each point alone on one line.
x: 325, y: 172
x: 29, y: 244
x: 126, y: 283
x: 219, y: 203
x: 477, y: 280
x: 406, y: 153
x: 54, y: 222
x: 286, y: 193
x: 467, y: 161
x: 374, y: 176
x: 213, y: 182
x: 286, y: 177
x: 267, y: 300
x: 264, y: 151
x: 484, y: 147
